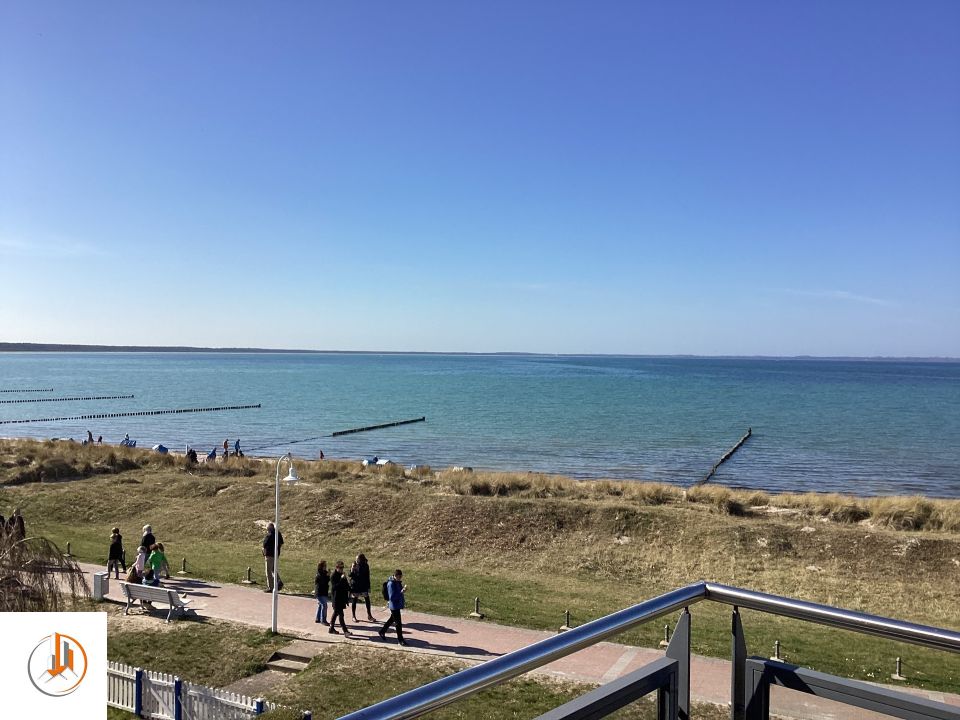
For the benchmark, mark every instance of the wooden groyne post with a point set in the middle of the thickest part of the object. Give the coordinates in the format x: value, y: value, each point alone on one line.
x: 378, y: 427
x: 727, y: 455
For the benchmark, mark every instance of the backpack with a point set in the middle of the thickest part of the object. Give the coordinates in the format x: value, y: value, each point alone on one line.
x: 386, y: 592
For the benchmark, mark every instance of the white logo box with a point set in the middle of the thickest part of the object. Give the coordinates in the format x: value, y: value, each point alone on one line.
x: 54, y: 665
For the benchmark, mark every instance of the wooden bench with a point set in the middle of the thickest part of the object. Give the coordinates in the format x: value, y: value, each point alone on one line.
x: 150, y: 594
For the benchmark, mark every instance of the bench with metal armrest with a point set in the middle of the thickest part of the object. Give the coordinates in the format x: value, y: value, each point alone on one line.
x: 151, y: 594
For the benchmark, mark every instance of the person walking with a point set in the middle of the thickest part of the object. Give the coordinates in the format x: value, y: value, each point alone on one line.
x: 395, y: 602
x: 236, y: 448
x: 148, y: 540
x: 273, y: 536
x: 226, y: 449
x: 321, y: 588
x: 360, y: 586
x: 157, y: 560
x: 115, y: 557
x: 340, y: 589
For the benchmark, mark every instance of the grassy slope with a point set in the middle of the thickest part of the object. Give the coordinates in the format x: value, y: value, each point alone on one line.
x: 528, y: 558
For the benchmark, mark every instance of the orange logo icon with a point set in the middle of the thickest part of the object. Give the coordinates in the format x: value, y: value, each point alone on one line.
x: 57, y: 665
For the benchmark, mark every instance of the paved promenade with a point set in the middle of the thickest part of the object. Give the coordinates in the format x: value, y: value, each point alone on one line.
x: 478, y: 641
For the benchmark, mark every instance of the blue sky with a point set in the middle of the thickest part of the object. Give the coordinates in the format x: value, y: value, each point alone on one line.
x: 612, y: 177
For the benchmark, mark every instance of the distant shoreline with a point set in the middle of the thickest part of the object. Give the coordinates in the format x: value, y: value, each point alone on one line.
x: 66, y: 347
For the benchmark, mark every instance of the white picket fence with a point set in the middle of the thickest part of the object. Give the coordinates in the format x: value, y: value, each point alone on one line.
x: 166, y: 697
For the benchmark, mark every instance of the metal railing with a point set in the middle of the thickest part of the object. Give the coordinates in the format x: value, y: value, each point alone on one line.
x: 439, y: 693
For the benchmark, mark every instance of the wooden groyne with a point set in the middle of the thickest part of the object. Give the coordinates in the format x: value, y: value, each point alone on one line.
x: 378, y: 427
x: 20, y: 391
x: 69, y: 399
x: 727, y: 455
x: 142, y: 413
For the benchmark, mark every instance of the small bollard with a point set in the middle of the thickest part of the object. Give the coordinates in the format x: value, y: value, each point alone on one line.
x: 476, y: 609
x: 898, y: 675
x: 249, y: 581
x: 566, y: 621
x: 183, y: 568
x: 68, y: 550
x: 666, y: 637
x: 776, y: 650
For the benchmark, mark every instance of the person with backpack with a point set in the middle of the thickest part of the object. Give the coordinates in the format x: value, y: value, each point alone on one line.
x: 340, y: 589
x: 393, y: 590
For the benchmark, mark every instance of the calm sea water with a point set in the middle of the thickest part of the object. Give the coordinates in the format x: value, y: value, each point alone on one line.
x: 850, y: 426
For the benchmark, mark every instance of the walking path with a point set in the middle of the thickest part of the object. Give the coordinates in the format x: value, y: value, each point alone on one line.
x: 478, y: 641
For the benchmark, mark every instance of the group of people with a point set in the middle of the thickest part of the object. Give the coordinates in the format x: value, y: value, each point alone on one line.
x: 340, y: 589
x: 14, y: 526
x: 212, y: 455
x: 352, y: 587
x: 151, y: 560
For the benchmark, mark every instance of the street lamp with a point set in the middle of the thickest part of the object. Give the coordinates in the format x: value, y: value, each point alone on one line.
x: 291, y: 480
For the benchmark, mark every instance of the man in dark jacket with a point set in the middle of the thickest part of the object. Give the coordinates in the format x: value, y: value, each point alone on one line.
x: 340, y: 589
x: 395, y: 601
x: 268, y: 553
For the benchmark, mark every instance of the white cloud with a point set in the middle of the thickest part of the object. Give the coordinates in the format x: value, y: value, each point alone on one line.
x: 841, y: 295
x: 60, y: 248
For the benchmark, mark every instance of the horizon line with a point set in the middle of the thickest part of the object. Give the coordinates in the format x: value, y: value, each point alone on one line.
x: 78, y: 347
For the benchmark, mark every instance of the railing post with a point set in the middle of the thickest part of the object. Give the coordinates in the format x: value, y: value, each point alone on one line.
x: 757, y: 698
x: 258, y: 706
x: 177, y: 705
x: 679, y: 650
x: 138, y: 692
x: 737, y: 667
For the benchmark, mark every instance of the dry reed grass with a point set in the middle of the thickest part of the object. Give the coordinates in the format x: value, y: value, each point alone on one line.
x: 26, y: 461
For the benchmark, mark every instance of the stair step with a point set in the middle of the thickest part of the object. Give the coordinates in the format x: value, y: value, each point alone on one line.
x: 285, y: 654
x: 287, y: 666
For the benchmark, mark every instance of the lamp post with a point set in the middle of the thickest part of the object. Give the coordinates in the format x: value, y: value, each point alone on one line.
x: 291, y: 480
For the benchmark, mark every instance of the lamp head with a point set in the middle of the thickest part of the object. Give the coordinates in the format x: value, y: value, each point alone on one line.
x: 292, y: 477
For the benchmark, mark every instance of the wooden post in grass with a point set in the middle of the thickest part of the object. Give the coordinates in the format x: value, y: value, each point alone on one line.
x: 566, y: 621
x: 476, y: 609
x: 183, y: 568
x: 249, y: 581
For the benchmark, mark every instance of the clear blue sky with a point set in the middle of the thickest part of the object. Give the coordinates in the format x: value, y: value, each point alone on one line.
x: 599, y: 177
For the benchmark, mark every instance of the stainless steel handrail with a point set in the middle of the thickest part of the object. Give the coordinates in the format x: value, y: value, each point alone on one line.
x: 925, y: 635
x: 442, y: 692
x: 426, y: 698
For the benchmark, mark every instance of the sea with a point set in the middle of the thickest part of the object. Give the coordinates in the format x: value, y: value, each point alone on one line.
x: 865, y: 427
